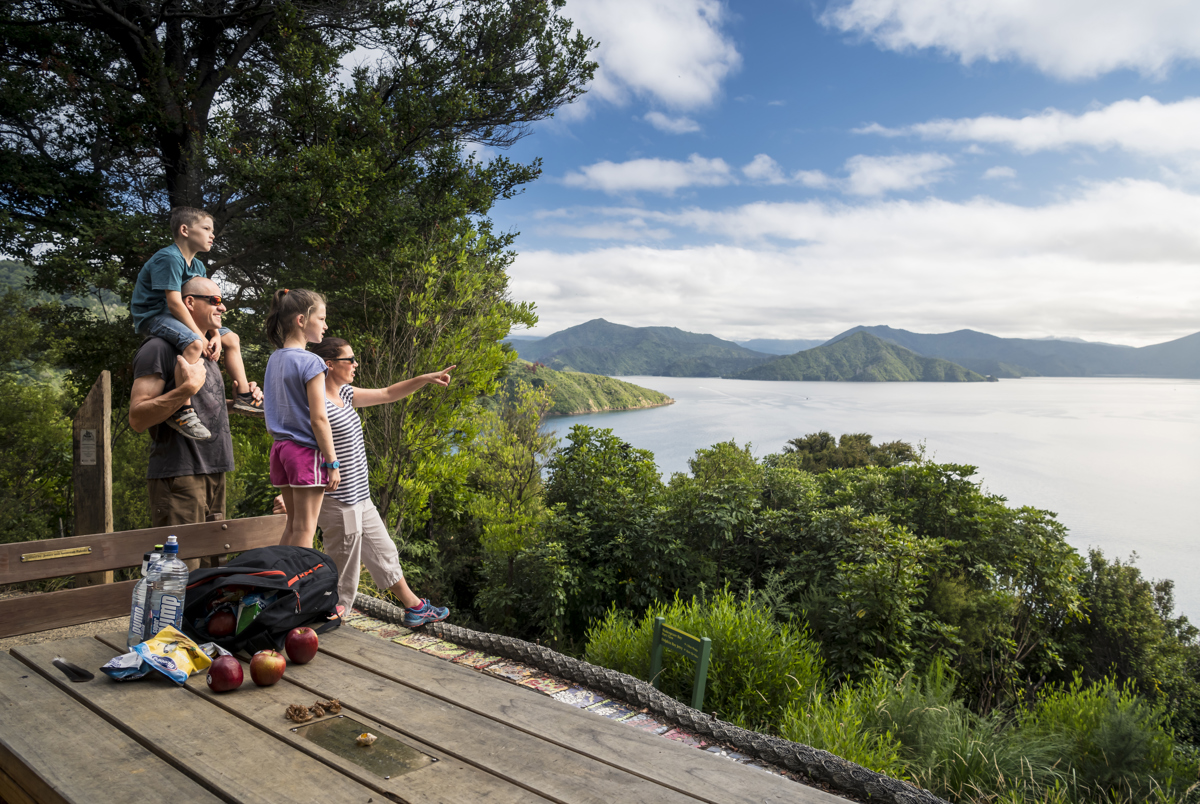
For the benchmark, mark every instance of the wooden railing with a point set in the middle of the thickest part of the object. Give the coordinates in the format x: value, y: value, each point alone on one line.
x: 21, y: 562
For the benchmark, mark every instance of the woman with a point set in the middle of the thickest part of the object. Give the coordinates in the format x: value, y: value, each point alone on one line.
x: 352, y: 530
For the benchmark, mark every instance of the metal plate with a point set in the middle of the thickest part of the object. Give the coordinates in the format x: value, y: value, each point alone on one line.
x: 387, y: 757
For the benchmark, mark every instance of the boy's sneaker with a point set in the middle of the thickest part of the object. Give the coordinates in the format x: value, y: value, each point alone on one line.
x: 247, y: 405
x: 185, y: 422
x: 425, y: 613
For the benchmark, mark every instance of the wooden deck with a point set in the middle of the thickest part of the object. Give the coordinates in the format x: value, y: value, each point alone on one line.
x: 493, y: 741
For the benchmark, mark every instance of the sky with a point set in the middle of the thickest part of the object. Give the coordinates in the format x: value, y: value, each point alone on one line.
x: 751, y: 169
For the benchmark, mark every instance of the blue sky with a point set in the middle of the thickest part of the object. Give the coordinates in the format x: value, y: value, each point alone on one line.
x: 789, y: 170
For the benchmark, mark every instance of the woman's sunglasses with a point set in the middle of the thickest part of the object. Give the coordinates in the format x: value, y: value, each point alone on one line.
x: 350, y: 359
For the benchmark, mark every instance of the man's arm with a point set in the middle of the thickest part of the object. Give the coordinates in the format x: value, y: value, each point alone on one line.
x: 148, y: 405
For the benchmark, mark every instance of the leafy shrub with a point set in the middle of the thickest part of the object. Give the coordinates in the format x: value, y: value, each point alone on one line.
x: 757, y: 667
x: 956, y: 753
x: 1115, y: 740
x: 843, y: 722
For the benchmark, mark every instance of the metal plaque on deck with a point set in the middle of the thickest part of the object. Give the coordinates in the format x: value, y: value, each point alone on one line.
x: 387, y: 757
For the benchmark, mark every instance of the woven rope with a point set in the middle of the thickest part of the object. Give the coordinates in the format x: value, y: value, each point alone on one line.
x: 821, y: 766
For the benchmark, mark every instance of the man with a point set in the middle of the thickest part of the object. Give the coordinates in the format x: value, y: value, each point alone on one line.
x: 186, y: 477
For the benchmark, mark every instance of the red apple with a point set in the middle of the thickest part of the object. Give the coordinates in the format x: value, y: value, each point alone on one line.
x: 221, y: 624
x: 225, y: 673
x: 301, y: 645
x: 266, y: 667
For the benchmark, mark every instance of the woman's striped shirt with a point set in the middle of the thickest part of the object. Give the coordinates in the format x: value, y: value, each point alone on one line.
x: 351, y: 453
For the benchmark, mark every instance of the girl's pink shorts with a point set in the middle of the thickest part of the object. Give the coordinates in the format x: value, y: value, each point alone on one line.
x: 293, y: 464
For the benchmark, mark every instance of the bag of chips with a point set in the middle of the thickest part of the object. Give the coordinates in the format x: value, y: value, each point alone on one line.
x: 173, y: 654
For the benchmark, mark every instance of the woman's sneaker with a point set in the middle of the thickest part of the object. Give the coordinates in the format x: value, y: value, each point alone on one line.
x: 185, y: 422
x: 247, y: 405
x: 425, y: 613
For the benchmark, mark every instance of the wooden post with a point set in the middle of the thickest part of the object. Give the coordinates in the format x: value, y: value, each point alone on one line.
x: 91, y: 440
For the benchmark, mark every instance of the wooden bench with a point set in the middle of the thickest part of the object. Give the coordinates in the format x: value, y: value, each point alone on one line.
x: 21, y: 562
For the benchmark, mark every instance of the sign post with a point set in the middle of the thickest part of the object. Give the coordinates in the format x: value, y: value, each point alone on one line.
x: 698, y: 649
x: 92, y: 468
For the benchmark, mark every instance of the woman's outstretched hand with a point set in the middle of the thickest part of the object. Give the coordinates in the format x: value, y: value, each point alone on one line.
x: 442, y: 377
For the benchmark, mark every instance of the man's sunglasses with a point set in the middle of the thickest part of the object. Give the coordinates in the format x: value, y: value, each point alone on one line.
x: 215, y: 301
x: 350, y: 359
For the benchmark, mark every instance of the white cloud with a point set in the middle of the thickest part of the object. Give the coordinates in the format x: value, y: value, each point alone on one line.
x: 1144, y: 126
x: 1116, y: 262
x: 671, y: 125
x: 1065, y: 38
x: 1000, y: 172
x: 670, y: 51
x: 651, y: 175
x: 813, y: 178
x: 764, y: 169
x: 875, y: 175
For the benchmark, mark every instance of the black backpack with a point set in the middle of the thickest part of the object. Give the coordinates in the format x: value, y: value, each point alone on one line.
x: 303, y: 580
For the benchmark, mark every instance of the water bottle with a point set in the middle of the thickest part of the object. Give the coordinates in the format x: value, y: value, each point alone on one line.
x: 168, y: 583
x: 140, y: 610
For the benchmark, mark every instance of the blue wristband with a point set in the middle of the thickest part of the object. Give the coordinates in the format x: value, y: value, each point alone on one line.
x: 331, y: 465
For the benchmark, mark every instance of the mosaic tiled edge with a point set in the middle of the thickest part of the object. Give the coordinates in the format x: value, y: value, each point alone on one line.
x: 579, y: 697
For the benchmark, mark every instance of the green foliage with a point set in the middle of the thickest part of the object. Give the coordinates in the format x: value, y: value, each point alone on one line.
x: 604, y: 500
x: 1132, y: 634
x: 820, y: 452
x: 756, y: 668
x: 575, y: 392
x: 861, y: 357
x: 1117, y: 740
x: 843, y: 722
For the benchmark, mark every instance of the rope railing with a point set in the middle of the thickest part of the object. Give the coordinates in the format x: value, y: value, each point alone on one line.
x: 820, y: 766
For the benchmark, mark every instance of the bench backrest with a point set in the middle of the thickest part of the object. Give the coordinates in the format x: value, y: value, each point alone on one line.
x: 76, y: 555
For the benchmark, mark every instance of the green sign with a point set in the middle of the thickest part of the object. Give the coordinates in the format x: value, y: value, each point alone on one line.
x: 698, y: 649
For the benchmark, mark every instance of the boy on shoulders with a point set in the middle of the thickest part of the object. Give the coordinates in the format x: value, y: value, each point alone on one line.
x: 159, y: 311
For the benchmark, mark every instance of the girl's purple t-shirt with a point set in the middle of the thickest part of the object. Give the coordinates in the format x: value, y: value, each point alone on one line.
x: 285, y: 395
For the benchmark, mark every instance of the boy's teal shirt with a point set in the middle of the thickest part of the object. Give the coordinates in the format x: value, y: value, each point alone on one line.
x: 165, y: 271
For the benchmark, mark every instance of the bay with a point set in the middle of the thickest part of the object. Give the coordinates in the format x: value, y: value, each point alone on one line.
x: 1118, y: 459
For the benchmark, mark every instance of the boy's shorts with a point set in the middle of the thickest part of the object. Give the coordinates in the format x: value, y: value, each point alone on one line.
x: 173, y: 331
x: 296, y: 465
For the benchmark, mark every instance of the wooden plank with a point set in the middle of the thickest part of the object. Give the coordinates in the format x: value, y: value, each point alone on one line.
x: 233, y: 759
x: 697, y: 773
x: 13, y: 793
x: 527, y: 758
x: 125, y: 548
x: 448, y: 780
x: 25, y: 615
x: 45, y: 729
x: 91, y: 440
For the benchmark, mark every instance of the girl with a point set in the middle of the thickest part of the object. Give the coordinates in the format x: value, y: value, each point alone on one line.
x: 304, y: 461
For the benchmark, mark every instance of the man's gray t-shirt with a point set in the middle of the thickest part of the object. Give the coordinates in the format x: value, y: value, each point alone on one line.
x: 171, y: 454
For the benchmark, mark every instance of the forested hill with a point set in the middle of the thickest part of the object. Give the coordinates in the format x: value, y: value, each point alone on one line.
x: 861, y: 357
x: 601, y: 347
x: 1023, y: 357
x: 575, y: 392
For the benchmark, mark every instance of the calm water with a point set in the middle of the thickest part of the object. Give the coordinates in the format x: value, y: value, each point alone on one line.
x: 1117, y: 459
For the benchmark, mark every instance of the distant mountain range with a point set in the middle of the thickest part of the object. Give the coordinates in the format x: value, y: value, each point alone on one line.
x: 1028, y: 357
x: 773, y: 346
x: 861, y: 357
x: 601, y: 347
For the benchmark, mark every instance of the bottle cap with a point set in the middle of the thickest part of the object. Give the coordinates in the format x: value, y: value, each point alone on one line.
x: 172, y: 545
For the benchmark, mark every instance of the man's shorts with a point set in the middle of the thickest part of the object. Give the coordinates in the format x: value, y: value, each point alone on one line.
x: 296, y: 465
x: 173, y: 331
x: 186, y: 500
